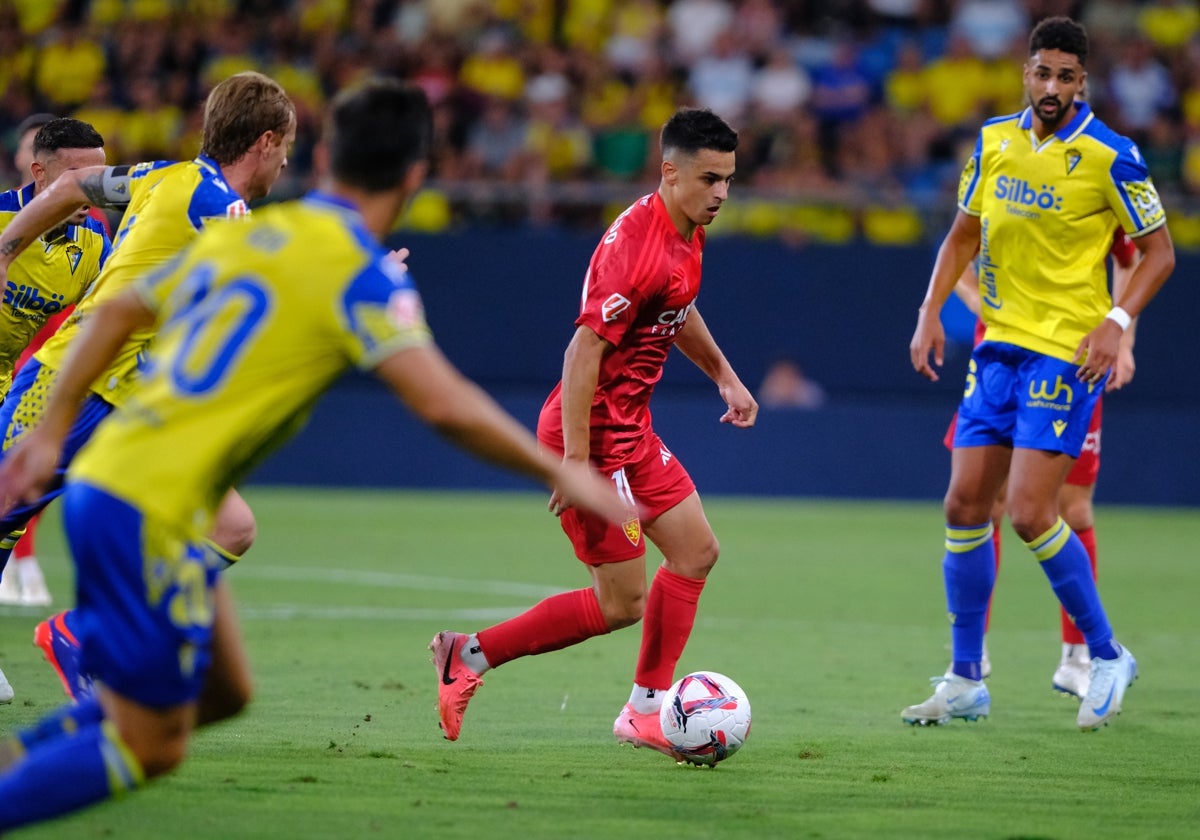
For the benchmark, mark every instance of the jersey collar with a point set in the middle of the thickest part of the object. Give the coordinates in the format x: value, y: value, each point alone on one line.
x: 1083, y: 116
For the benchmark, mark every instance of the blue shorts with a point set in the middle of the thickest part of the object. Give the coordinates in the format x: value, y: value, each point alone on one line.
x: 22, y: 410
x: 144, y: 599
x: 1016, y: 397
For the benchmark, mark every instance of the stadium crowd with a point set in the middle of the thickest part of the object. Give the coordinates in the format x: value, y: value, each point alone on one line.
x: 855, y: 115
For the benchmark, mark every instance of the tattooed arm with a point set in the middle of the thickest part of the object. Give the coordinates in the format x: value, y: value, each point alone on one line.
x: 103, y: 186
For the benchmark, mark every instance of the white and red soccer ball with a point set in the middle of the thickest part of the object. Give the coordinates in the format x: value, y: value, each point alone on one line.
x: 706, y: 717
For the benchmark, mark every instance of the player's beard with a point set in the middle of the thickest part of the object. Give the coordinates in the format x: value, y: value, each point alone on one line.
x: 1051, y: 123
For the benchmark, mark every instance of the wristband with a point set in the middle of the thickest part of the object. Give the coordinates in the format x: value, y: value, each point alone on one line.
x: 1122, y: 318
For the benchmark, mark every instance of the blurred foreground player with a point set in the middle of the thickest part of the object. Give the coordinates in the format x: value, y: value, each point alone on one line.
x: 256, y: 321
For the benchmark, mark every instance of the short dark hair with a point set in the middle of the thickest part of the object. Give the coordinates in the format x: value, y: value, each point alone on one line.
x: 1060, y: 33
x: 375, y: 131
x: 33, y: 121
x: 693, y: 129
x: 66, y: 133
x: 241, y: 109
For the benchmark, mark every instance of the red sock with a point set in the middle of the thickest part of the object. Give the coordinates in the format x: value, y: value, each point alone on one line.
x: 987, y: 617
x: 670, y: 613
x: 552, y: 624
x: 24, y: 546
x: 1070, y: 633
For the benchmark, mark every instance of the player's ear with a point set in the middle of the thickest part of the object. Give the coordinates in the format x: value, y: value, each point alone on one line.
x: 415, y: 176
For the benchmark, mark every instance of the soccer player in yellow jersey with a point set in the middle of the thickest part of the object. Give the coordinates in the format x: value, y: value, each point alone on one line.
x: 1039, y: 200
x: 249, y: 126
x: 256, y: 322
x: 47, y: 279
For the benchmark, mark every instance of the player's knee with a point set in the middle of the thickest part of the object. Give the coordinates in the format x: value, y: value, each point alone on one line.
x: 1078, y: 514
x: 963, y: 512
x: 1029, y: 521
x: 228, y: 700
x: 157, y: 752
x: 235, y: 528
x: 624, y: 612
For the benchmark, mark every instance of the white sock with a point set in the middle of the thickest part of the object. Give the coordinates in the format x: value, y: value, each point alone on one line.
x: 472, y: 655
x: 646, y: 701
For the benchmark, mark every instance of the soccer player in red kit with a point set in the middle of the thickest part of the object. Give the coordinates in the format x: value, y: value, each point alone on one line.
x: 639, y: 300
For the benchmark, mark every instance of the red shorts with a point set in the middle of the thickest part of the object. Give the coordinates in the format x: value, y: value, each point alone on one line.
x: 652, y: 478
x: 1087, y: 466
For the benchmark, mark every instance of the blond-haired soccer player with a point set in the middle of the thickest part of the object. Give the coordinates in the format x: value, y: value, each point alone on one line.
x: 256, y: 321
x: 44, y: 282
x: 1039, y: 200
x: 249, y: 126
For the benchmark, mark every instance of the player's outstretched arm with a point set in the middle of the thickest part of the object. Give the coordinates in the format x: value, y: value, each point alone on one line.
x: 955, y: 253
x: 33, y: 459
x: 462, y: 412
x: 696, y: 342
x: 102, y: 186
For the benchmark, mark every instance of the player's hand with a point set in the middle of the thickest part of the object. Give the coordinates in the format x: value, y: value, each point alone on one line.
x: 928, y: 338
x: 27, y: 469
x: 1123, y: 370
x: 1098, y: 352
x: 578, y: 485
x: 399, y: 258
x: 742, y: 408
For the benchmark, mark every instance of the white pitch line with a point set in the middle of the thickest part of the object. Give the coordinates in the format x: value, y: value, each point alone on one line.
x: 393, y: 580
x: 309, y: 612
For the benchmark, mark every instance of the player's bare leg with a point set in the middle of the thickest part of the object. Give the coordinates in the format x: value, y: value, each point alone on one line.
x: 228, y: 685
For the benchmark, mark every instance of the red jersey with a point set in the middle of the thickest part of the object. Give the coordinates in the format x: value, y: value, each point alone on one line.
x: 640, y: 286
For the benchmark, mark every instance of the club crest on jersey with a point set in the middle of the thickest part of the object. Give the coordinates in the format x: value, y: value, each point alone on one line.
x: 1073, y: 158
x: 633, y: 530
x: 612, y: 308
x: 74, y: 255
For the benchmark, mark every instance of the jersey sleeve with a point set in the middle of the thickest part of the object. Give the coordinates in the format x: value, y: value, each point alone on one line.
x: 612, y: 295
x: 970, y: 199
x: 1132, y: 195
x: 157, y: 286
x: 383, y: 314
x: 212, y: 202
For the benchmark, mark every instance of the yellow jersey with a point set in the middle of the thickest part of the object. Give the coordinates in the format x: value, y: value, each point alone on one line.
x: 47, y: 277
x: 1048, y: 210
x: 256, y: 321
x: 168, y: 204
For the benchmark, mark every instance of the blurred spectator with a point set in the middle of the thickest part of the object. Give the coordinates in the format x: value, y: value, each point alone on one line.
x: 495, y: 143
x: 989, y: 26
x: 786, y: 386
x: 1139, y: 87
x: 721, y: 81
x: 778, y: 87
x: 494, y: 69
x: 151, y: 127
x: 840, y: 95
x: 637, y: 28
x: 68, y: 68
x: 1169, y: 24
x: 693, y: 26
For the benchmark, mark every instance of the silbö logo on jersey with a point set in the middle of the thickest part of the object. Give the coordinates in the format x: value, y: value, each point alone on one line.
x: 1024, y: 200
x: 27, y: 302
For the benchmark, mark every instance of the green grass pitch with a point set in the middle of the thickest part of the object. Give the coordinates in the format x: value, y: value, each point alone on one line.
x: 829, y: 614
